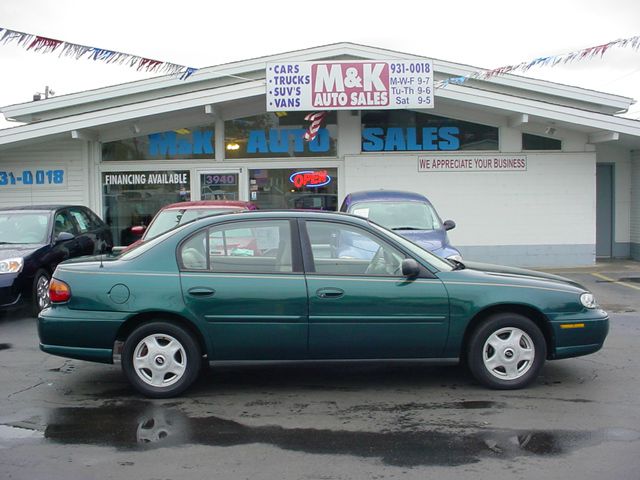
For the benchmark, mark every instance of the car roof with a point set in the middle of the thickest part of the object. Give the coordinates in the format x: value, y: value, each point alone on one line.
x: 49, y: 208
x: 285, y: 214
x: 208, y: 203
x: 386, y: 195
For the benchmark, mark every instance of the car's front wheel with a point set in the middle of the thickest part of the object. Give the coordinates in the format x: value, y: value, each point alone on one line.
x: 161, y: 359
x: 506, y: 351
x: 40, y: 298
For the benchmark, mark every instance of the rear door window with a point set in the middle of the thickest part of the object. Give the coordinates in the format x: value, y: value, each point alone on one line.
x: 243, y: 247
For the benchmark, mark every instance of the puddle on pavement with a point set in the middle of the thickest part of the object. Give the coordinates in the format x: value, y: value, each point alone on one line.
x: 12, y: 432
x: 404, y: 407
x: 142, y: 425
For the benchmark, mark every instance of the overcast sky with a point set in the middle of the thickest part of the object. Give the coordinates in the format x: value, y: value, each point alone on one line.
x: 199, y: 33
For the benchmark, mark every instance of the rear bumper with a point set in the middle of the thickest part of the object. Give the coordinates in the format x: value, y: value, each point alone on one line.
x: 102, y: 355
x: 579, y: 335
x: 79, y: 334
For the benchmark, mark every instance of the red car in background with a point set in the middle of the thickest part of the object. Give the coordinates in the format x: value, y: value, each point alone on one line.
x: 174, y: 214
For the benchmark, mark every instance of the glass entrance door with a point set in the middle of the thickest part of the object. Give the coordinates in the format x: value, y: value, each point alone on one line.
x: 221, y: 184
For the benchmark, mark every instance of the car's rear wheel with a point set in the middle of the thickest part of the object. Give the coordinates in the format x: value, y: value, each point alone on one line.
x: 40, y: 299
x: 506, y: 351
x: 161, y: 359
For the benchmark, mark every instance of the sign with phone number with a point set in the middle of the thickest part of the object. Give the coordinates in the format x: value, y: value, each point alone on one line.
x: 360, y: 85
x: 30, y: 178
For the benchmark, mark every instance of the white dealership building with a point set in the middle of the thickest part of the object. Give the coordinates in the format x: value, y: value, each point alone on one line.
x: 533, y: 173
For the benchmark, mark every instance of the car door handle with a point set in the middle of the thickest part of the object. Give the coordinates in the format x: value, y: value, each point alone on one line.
x: 201, y: 292
x: 329, y: 292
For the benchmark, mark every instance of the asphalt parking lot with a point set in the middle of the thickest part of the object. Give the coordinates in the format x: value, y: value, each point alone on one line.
x: 67, y: 419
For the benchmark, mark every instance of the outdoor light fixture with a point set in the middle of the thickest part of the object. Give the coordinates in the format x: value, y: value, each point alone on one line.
x: 47, y: 93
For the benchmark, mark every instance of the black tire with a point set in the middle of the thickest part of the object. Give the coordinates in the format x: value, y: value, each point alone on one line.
x: 40, y: 292
x: 161, y: 374
x: 516, y: 362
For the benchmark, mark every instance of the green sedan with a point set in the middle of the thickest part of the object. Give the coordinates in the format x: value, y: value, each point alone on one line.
x: 273, y: 286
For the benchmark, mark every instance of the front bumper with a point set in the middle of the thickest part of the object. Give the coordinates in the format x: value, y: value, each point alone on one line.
x: 576, y: 335
x: 10, y: 291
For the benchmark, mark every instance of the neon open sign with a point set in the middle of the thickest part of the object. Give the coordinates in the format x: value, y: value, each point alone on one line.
x: 310, y: 178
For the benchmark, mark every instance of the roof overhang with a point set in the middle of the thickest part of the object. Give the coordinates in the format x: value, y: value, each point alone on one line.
x: 240, y: 88
x: 249, y: 70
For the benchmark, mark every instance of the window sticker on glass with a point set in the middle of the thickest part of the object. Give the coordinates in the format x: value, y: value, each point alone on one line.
x: 361, y: 212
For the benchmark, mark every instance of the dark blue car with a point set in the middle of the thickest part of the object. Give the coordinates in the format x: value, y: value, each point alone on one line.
x: 408, y: 214
x: 34, y: 240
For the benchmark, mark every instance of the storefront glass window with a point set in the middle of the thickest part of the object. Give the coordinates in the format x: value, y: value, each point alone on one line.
x: 279, y: 134
x: 303, y: 188
x: 405, y: 130
x: 172, y: 144
x: 131, y: 199
x: 536, y: 142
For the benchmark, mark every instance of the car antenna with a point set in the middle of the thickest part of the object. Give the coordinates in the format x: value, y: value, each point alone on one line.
x: 101, y: 255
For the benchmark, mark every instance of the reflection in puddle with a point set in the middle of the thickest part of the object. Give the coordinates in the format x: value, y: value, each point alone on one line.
x: 140, y: 425
x: 11, y: 432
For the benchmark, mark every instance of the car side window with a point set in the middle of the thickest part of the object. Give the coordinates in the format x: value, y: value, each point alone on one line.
x: 63, y: 222
x: 340, y: 249
x: 96, y: 223
x: 82, y: 220
x: 193, y: 254
x: 240, y: 247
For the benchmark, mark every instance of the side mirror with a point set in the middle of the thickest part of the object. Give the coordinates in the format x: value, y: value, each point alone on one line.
x: 449, y: 225
x: 410, y: 268
x: 64, y: 236
x: 138, y: 229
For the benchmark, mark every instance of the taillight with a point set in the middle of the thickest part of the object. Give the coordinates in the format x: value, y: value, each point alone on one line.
x: 59, y: 291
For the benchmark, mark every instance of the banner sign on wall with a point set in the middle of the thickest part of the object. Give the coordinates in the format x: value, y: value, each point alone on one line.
x: 361, y: 85
x: 44, y: 176
x: 473, y: 163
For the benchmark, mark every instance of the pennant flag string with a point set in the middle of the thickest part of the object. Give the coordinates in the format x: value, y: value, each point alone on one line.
x: 40, y: 44
x: 37, y: 43
x: 583, y: 54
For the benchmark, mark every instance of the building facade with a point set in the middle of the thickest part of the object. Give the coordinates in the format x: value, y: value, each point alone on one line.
x: 533, y: 173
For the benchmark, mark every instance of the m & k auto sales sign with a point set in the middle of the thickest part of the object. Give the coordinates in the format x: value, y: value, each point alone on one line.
x: 362, y: 85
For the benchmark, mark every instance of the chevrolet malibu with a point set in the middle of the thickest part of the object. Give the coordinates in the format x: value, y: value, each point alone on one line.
x: 193, y: 294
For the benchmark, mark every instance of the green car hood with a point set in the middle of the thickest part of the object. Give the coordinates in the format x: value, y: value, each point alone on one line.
x: 521, y: 272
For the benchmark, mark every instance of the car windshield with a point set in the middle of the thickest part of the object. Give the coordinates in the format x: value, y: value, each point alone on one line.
x: 439, y: 263
x: 399, y: 215
x: 21, y: 227
x: 168, y: 219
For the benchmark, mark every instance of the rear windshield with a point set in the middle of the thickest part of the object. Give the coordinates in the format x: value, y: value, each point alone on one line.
x: 169, y: 219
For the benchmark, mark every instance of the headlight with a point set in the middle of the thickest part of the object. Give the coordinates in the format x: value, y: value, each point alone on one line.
x: 11, y: 265
x: 588, y: 300
x: 457, y: 258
